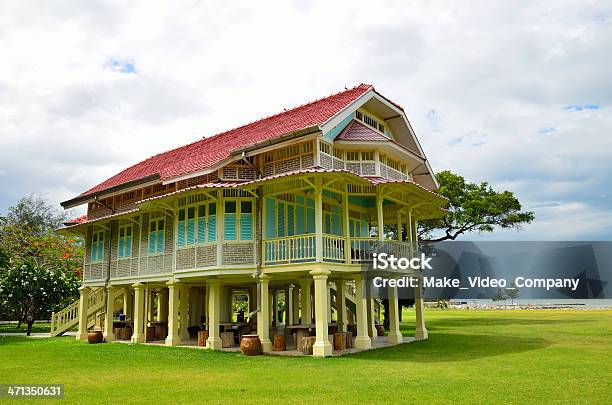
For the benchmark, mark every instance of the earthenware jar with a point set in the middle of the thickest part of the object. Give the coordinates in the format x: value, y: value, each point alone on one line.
x: 250, y: 345
x: 95, y: 336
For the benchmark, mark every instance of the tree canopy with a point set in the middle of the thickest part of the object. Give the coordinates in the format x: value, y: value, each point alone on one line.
x: 39, y: 269
x: 473, y: 208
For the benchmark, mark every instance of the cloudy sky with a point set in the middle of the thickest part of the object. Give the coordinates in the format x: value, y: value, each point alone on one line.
x: 515, y: 93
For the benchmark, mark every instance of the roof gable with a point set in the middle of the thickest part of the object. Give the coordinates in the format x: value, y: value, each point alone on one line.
x: 356, y: 131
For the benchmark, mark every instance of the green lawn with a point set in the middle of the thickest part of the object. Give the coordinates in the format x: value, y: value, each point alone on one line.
x: 471, y: 356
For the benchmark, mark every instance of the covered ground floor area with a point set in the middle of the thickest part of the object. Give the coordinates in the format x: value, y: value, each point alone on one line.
x: 316, y: 311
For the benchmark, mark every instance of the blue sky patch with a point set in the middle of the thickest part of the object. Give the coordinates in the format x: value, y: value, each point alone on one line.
x: 581, y: 107
x: 546, y: 130
x: 121, y: 65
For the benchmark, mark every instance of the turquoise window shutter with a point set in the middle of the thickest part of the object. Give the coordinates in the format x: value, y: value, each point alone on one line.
x: 230, y: 226
x: 280, y: 220
x: 152, y: 242
x: 101, y: 250
x: 270, y: 218
x: 181, y: 233
x: 310, y: 219
x: 212, y: 228
x: 190, y: 231
x: 337, y: 225
x: 94, y: 251
x: 201, y: 230
x: 246, y: 226
x: 299, y: 220
x: 160, y: 241
x: 128, y: 246
x: 290, y: 220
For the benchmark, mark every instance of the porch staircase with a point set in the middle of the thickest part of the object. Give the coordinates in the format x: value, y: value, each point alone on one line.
x: 349, y: 299
x: 68, y: 317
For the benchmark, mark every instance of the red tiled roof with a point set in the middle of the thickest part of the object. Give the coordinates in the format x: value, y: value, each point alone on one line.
x: 212, y: 150
x: 356, y: 131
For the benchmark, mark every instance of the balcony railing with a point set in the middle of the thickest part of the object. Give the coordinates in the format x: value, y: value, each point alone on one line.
x: 302, y: 248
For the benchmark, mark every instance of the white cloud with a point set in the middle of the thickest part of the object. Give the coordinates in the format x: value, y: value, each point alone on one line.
x: 485, y: 84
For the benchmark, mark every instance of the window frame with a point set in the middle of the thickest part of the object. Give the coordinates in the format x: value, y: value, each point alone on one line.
x: 238, y: 219
x: 121, y: 255
x: 196, y: 226
x: 156, y: 221
x: 94, y: 246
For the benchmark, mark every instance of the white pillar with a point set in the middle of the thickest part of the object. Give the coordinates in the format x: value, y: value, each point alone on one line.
x: 108, y: 318
x: 306, y: 308
x: 214, y: 287
x: 184, y: 313
x: 138, y: 335
x: 128, y: 303
x: 322, y: 347
x: 83, y: 309
x: 420, y: 332
x: 296, y: 304
x: 289, y: 305
x: 395, y: 336
x: 362, y: 341
x: 263, y: 317
x: 318, y: 201
x: 173, y: 338
x: 162, y: 305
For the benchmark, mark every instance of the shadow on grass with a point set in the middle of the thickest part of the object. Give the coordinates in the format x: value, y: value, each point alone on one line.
x: 443, y: 347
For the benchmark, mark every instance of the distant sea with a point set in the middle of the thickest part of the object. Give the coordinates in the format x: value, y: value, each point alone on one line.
x: 584, y: 303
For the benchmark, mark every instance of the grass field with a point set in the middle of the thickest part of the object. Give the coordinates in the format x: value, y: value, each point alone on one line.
x: 471, y: 357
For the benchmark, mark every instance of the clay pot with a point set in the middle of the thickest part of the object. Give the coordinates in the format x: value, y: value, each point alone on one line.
x: 250, y: 345
x: 380, y: 330
x: 95, y: 336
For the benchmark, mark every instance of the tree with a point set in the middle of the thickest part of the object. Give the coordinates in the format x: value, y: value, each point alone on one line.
x: 35, y: 214
x: 500, y: 295
x: 27, y: 243
x: 33, y: 291
x: 473, y: 208
x: 513, y: 292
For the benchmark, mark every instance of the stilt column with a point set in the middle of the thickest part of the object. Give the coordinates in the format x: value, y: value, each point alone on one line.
x: 321, y: 347
x: 108, y: 318
x: 263, y: 317
x: 83, y: 309
x: 306, y: 308
x: 362, y: 341
x: 173, y: 338
x: 214, y: 287
x: 138, y: 335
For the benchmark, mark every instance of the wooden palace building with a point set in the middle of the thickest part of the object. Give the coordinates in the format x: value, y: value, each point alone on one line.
x: 262, y: 229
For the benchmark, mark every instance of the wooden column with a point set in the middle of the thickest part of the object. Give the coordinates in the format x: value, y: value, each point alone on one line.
x: 296, y: 305
x: 162, y: 305
x: 173, y: 338
x: 184, y: 313
x: 83, y: 309
x: 263, y: 317
x: 347, y: 228
x: 420, y: 332
x: 318, y: 201
x: 214, y: 312
x: 362, y: 340
x: 289, y: 305
x: 306, y: 308
x: 108, y: 318
x: 138, y: 335
x: 341, y: 305
x: 128, y: 303
x: 395, y: 336
x: 322, y: 347
x: 193, y: 304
